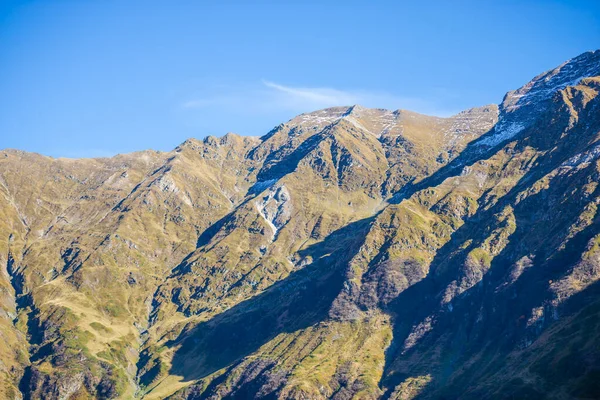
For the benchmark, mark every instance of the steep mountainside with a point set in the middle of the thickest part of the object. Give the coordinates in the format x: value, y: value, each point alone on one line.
x: 348, y: 253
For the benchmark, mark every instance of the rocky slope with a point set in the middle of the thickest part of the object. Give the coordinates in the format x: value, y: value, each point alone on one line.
x: 348, y: 253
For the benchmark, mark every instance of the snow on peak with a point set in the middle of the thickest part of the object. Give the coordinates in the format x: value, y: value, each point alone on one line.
x: 543, y: 86
x: 521, y: 107
x: 371, y: 120
x: 321, y: 118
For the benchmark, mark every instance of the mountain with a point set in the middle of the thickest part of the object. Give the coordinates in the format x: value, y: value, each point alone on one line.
x: 349, y: 253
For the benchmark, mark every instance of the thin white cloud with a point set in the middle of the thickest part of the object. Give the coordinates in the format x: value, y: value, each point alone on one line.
x: 270, y: 97
x: 326, y: 97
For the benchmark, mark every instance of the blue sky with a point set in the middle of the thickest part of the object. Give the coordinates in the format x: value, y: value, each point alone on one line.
x: 96, y: 78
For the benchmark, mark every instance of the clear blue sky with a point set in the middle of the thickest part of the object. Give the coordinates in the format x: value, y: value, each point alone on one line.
x: 88, y: 78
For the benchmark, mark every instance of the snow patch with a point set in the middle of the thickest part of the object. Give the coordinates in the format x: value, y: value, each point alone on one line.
x: 582, y: 159
x: 545, y: 85
x: 502, y: 132
x: 357, y: 124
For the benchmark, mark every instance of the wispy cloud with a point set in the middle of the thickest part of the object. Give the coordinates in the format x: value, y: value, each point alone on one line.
x: 269, y: 97
x: 317, y: 97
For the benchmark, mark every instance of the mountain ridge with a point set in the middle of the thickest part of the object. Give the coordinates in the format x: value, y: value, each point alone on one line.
x: 348, y: 253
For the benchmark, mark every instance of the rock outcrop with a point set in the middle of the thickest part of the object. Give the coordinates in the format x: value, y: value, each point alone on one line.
x: 348, y: 253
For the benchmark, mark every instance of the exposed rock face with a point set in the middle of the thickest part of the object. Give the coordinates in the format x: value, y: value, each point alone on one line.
x: 275, y: 208
x: 349, y: 253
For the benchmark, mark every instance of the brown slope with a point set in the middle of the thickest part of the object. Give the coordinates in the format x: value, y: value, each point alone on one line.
x: 438, y: 264
x: 101, y: 235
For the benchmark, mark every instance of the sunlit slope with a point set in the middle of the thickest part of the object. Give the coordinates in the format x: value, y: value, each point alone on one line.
x: 348, y: 253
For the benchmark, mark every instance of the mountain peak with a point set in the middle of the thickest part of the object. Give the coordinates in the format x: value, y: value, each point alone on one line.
x: 522, y: 106
x: 346, y: 254
x: 543, y: 86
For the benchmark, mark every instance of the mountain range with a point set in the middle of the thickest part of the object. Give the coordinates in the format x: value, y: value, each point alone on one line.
x: 349, y: 253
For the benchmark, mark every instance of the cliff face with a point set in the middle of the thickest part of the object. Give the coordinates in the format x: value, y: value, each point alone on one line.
x: 348, y: 253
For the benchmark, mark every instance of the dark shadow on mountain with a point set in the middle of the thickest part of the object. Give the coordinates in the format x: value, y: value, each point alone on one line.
x: 497, y: 325
x: 119, y: 205
x: 35, y: 332
x: 482, y: 319
x: 209, y: 233
x: 467, y: 335
x: 206, y: 237
x: 299, y: 301
x: 472, y: 153
x: 278, y: 163
x: 556, y: 352
x: 538, y: 133
x: 304, y: 298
